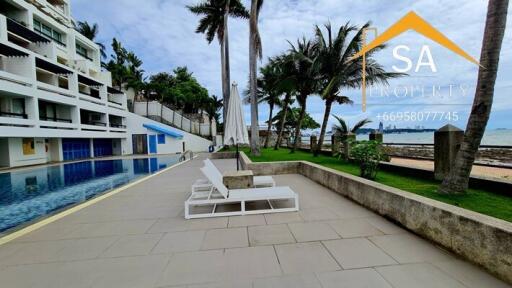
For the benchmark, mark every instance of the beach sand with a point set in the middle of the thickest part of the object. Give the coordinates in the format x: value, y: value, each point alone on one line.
x: 495, y: 172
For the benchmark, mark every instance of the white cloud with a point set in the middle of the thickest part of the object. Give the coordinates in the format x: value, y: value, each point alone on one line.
x: 162, y: 34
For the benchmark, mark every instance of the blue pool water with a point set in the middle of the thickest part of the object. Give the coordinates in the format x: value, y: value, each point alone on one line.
x: 31, y: 193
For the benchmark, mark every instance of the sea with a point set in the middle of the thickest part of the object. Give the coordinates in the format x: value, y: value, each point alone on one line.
x: 502, y: 137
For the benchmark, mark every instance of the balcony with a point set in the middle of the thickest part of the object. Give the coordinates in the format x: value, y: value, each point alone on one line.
x: 116, y: 123
x: 53, y: 78
x: 15, y: 65
x: 90, y: 88
x: 93, y: 121
x: 15, y: 110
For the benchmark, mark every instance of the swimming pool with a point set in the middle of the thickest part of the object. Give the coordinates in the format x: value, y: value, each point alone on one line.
x: 28, y: 194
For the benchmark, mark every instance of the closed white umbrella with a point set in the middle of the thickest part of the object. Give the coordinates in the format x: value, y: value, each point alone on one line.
x: 235, y: 131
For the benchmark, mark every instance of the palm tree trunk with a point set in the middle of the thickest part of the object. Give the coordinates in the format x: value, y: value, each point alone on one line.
x: 302, y: 114
x: 328, y: 106
x: 255, y: 137
x: 227, y: 73
x: 269, y: 127
x: 458, y: 179
x: 283, y: 120
x: 225, y: 88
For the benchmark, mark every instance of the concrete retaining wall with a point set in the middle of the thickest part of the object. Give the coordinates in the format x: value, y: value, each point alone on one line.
x: 483, y: 240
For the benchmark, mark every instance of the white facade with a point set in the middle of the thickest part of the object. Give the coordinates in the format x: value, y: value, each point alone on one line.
x: 52, y: 89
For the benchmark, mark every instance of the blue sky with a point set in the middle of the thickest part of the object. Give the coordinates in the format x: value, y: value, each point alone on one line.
x: 162, y: 34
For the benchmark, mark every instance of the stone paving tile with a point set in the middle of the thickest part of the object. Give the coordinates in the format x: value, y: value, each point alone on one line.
x: 385, y: 225
x: 111, y: 228
x: 60, y: 250
x: 225, y: 238
x: 132, y: 245
x: 317, y: 214
x: 270, y: 234
x: 180, y: 242
x: 288, y: 281
x: 305, y: 258
x: 181, y: 224
x: 49, y: 232
x: 357, y: 253
x: 246, y: 220
x: 107, y: 272
x: 470, y: 275
x: 351, y: 228
x: 312, y: 231
x: 355, y: 278
x: 224, y: 284
x: 422, y: 275
x: 282, y: 218
x: 408, y: 248
x: 194, y: 268
x: 251, y: 262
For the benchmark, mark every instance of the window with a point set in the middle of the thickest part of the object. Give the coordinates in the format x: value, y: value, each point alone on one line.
x: 80, y: 50
x: 161, y: 138
x: 28, y: 146
x: 48, y: 32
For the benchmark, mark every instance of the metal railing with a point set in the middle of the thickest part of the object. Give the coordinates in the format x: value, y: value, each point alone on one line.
x: 13, y: 115
x: 55, y: 119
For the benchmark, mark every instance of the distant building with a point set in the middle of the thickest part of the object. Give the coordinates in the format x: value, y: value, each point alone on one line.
x: 381, y: 127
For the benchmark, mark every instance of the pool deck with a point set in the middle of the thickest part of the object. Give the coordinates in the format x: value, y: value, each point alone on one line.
x: 139, y: 238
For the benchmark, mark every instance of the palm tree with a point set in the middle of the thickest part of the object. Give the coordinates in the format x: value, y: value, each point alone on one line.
x: 339, y: 69
x: 212, y: 107
x: 255, y: 51
x: 342, y: 128
x: 214, y: 23
x: 458, y: 178
x: 267, y: 92
x: 306, y: 79
x: 288, y: 87
x: 90, y: 32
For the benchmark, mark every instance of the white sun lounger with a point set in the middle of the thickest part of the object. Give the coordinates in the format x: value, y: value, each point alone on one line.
x: 205, y: 184
x: 219, y: 201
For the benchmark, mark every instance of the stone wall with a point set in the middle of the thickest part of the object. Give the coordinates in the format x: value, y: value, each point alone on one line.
x: 483, y: 240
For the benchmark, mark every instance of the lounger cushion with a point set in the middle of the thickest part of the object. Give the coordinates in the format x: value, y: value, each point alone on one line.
x: 283, y: 192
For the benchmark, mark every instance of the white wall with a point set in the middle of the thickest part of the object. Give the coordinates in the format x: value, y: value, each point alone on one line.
x: 16, y: 152
x: 172, y: 145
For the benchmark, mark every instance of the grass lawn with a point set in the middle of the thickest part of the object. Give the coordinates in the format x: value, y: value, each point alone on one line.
x: 485, y: 202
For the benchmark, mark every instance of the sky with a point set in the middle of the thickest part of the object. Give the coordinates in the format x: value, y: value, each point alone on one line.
x: 162, y: 34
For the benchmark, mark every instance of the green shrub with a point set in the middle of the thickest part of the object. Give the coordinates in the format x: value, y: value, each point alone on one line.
x: 367, y: 154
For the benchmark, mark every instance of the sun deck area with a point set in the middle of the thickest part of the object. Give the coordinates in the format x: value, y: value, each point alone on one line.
x: 139, y: 238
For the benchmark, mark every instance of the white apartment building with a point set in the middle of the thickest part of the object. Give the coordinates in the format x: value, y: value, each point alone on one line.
x: 56, y: 104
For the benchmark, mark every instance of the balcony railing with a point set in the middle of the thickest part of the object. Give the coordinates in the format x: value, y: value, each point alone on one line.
x: 95, y: 123
x: 55, y: 119
x: 13, y: 115
x: 115, y: 125
x: 84, y: 55
x: 115, y: 102
x: 93, y: 93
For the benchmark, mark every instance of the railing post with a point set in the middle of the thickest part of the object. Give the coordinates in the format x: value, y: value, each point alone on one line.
x: 375, y: 135
x: 447, y: 141
x: 335, y: 144
x: 312, y: 143
x: 348, y: 139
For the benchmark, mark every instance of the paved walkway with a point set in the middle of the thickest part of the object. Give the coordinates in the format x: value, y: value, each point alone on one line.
x: 138, y: 238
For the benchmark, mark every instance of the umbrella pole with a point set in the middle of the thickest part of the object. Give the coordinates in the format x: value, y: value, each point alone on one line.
x: 237, y: 158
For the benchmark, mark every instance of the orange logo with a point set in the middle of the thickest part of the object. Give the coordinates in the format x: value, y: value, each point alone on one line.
x: 411, y: 21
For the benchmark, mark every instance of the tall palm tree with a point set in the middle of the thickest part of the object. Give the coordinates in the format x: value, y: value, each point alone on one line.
x: 306, y: 79
x: 255, y: 51
x: 339, y: 69
x: 267, y: 92
x: 288, y: 87
x: 342, y: 127
x: 214, y: 23
x: 90, y: 32
x: 458, y: 178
